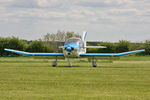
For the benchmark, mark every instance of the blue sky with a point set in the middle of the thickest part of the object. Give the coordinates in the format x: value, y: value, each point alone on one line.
x: 104, y: 20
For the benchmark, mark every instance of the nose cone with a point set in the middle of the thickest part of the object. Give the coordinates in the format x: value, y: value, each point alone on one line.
x: 69, y: 49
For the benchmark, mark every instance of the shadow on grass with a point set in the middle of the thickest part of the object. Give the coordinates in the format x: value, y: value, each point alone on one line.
x: 77, y: 66
x: 65, y: 66
x: 122, y: 67
x: 100, y: 66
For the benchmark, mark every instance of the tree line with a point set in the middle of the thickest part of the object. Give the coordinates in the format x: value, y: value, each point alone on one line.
x: 51, y: 42
x: 121, y: 46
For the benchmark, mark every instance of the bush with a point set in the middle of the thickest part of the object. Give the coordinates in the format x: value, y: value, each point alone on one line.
x: 110, y: 48
x: 38, y: 46
x: 123, y: 46
x: 11, y: 43
x: 92, y: 50
x: 147, y: 47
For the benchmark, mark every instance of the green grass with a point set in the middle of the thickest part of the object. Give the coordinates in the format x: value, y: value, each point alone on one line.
x: 28, y: 79
x: 135, y: 58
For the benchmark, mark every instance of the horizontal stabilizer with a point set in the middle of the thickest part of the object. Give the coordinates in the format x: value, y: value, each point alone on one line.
x: 110, y: 54
x: 96, y: 47
x: 60, y: 47
x: 34, y: 54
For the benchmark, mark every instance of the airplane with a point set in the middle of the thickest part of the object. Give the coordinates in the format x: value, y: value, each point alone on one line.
x: 76, y: 48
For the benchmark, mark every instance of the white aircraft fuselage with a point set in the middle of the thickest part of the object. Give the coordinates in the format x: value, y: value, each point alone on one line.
x: 74, y: 47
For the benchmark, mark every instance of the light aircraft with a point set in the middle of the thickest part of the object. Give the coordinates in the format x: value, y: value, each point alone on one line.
x: 75, y: 48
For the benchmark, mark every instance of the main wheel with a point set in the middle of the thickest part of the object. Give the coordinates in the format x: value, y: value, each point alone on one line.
x: 54, y: 64
x: 69, y: 64
x: 94, y: 64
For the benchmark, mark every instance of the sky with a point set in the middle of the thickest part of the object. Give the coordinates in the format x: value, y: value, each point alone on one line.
x: 104, y: 20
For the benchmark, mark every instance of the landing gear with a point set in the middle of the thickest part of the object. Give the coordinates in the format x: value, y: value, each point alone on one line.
x: 68, y: 62
x: 94, y: 63
x: 54, y: 64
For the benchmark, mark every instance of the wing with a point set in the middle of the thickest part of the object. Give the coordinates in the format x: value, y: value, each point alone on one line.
x: 34, y: 54
x: 109, y: 54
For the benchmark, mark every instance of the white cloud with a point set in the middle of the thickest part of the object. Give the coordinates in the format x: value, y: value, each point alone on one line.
x: 49, y: 3
x: 118, y: 2
x: 125, y: 12
x: 77, y: 15
x: 31, y: 13
x: 2, y: 8
x: 104, y: 3
x: 47, y: 14
x: 24, y: 4
x: 42, y: 3
x: 6, y: 1
x: 33, y: 3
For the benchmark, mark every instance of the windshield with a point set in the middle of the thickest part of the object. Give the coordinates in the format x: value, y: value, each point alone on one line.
x: 73, y: 40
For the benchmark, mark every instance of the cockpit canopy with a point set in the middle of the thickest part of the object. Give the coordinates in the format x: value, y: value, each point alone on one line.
x: 77, y: 41
x: 73, y: 40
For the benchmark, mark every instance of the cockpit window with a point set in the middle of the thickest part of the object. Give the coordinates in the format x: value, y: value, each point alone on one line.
x: 73, y: 40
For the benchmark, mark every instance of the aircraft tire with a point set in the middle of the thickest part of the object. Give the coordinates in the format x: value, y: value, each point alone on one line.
x: 54, y: 64
x: 94, y: 64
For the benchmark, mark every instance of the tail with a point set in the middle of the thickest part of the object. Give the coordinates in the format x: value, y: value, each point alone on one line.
x: 84, y: 36
x: 84, y: 39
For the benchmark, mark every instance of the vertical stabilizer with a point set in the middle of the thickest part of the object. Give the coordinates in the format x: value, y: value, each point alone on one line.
x: 84, y: 39
x: 84, y: 36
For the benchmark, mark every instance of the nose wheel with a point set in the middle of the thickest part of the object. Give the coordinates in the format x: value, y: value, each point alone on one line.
x: 68, y: 62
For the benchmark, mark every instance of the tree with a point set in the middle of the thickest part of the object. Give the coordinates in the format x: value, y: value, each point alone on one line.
x: 15, y: 43
x: 60, y: 36
x: 58, y: 39
x: 11, y: 43
x: 123, y: 46
x: 147, y: 47
x: 4, y: 42
x: 71, y: 34
x: 110, y: 47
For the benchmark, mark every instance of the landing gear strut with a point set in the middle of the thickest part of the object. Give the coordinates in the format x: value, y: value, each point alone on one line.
x: 69, y: 63
x: 94, y: 63
x: 54, y: 64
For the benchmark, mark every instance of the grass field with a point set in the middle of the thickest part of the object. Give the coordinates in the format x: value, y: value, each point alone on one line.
x: 24, y: 78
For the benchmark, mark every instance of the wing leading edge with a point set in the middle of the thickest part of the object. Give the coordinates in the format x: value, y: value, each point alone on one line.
x: 34, y: 54
x: 110, y: 54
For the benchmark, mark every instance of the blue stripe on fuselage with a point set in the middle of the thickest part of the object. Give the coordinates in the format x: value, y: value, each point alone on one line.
x: 73, y: 45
